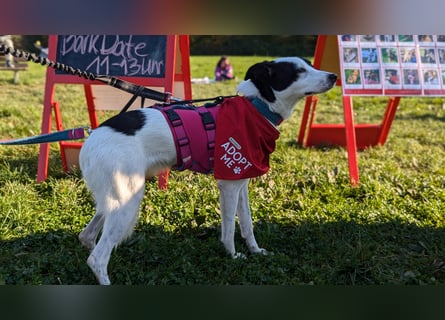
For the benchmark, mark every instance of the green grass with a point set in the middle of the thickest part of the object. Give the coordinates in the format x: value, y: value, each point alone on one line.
x: 388, y: 230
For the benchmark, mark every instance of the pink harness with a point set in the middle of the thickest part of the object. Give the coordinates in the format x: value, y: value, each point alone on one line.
x: 193, y: 129
x: 239, y: 149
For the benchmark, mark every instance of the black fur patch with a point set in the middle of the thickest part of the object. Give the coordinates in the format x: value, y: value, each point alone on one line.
x: 284, y: 74
x: 127, y: 123
x: 273, y: 75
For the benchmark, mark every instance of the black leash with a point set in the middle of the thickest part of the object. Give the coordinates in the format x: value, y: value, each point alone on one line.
x: 78, y: 133
x: 136, y: 90
x: 217, y: 100
x: 132, y: 88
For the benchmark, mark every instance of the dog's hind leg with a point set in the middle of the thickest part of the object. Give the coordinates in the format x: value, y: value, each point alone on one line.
x: 119, y: 221
x: 89, y: 235
x: 245, y: 220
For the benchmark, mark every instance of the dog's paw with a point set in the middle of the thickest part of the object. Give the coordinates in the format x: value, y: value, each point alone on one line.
x: 258, y: 250
x: 263, y: 252
x: 99, y: 271
x: 238, y: 255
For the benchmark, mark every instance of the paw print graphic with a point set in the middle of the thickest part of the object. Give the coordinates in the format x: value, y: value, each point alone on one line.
x: 237, y: 170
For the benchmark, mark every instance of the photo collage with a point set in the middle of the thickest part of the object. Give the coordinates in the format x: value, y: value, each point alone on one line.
x: 400, y: 65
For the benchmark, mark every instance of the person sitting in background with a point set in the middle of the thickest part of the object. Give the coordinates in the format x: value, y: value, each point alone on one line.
x: 223, y: 70
x: 43, y: 51
x: 6, y: 40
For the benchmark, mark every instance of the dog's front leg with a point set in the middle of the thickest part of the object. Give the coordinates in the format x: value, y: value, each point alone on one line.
x: 229, y: 194
x: 245, y: 220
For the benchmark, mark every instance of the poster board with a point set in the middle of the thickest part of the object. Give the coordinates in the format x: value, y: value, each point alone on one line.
x: 392, y: 65
x: 372, y: 65
x: 160, y: 62
x: 330, y: 56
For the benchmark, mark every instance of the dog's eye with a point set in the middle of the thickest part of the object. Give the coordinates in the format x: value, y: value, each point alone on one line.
x: 301, y: 70
x: 307, y: 61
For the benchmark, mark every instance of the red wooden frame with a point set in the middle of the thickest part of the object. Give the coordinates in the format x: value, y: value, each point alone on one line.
x: 176, y: 70
x: 350, y: 135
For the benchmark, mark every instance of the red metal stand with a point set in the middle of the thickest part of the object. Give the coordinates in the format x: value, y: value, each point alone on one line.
x: 350, y: 135
x: 177, y: 80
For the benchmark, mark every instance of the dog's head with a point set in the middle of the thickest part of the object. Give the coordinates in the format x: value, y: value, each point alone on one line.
x: 284, y: 81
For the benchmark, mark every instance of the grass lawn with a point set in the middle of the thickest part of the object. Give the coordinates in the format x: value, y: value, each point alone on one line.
x: 388, y: 230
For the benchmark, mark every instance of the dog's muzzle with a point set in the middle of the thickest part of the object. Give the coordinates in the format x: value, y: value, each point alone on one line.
x: 332, y: 78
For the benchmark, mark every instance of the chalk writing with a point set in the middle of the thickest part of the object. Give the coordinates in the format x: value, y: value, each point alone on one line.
x: 116, y: 55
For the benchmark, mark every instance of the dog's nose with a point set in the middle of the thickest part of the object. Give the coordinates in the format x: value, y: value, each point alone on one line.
x: 332, y: 77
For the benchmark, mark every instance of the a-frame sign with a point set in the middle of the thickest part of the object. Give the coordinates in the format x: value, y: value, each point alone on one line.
x: 350, y: 135
x: 159, y: 62
x: 373, y: 65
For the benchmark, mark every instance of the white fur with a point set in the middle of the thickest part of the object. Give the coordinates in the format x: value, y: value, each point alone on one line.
x: 115, y: 167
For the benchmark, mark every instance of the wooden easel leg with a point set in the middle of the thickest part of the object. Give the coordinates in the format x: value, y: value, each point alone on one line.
x: 91, y: 107
x: 42, y: 167
x: 388, y: 118
x: 163, y: 180
x: 309, y: 109
x: 351, y: 144
x: 59, y: 126
x: 57, y: 115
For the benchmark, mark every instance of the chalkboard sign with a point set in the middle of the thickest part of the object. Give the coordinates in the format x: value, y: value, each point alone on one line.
x: 114, y: 55
x: 160, y: 62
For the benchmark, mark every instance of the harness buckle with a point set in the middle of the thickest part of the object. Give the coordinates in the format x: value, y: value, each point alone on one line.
x: 176, y: 122
x: 183, y: 141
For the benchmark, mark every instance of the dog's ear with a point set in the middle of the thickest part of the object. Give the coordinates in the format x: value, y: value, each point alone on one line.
x: 260, y: 74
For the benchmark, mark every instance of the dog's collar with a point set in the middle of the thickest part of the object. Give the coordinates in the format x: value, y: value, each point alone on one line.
x: 263, y: 108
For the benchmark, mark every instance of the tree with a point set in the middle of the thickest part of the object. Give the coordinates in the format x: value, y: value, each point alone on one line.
x: 269, y: 45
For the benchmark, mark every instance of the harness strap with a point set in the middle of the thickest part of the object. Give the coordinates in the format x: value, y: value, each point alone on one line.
x: 183, y: 147
x: 183, y: 142
x: 210, y: 127
x: 216, y: 100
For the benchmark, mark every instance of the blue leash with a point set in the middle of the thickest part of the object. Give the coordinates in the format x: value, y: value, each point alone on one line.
x: 69, y: 134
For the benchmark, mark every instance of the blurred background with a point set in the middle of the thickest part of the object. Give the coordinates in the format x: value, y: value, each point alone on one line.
x: 268, y: 45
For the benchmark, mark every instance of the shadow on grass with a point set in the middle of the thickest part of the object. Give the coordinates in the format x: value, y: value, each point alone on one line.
x: 24, y: 168
x: 337, y: 253
x: 421, y: 117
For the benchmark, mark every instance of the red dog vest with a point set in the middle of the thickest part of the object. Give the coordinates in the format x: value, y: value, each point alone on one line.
x: 233, y: 139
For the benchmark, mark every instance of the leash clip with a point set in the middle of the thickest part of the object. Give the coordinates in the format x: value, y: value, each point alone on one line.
x: 170, y: 99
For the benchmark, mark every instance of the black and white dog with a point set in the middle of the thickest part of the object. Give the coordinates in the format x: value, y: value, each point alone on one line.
x: 119, y: 155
